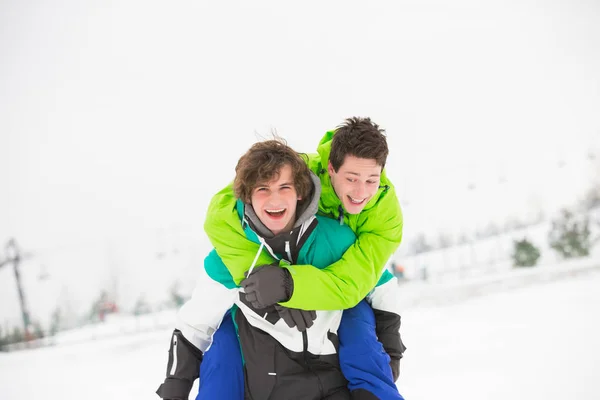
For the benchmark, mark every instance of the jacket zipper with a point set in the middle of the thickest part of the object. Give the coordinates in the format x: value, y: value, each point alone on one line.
x: 307, y: 361
x: 305, y: 347
x: 341, y: 214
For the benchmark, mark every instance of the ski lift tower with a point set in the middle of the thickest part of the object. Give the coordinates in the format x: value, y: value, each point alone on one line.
x: 13, y: 255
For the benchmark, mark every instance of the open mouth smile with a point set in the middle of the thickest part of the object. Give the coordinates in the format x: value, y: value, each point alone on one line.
x: 356, y: 201
x: 276, y: 213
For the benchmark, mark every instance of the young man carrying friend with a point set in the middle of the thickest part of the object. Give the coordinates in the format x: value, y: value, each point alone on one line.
x: 356, y: 191
x: 359, y: 182
x: 350, y: 163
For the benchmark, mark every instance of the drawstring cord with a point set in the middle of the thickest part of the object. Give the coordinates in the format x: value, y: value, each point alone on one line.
x: 262, y: 244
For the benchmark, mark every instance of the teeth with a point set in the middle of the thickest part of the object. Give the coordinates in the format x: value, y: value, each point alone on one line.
x: 276, y: 211
x: 352, y: 199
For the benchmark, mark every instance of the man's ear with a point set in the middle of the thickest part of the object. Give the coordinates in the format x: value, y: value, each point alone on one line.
x: 330, y: 169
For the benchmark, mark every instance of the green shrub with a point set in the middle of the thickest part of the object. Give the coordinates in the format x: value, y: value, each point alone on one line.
x: 570, y: 235
x: 525, y: 254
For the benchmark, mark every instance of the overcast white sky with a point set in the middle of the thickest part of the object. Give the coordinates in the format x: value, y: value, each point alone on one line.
x: 120, y: 119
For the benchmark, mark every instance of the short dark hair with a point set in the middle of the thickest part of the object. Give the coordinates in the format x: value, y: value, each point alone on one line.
x: 263, y: 162
x: 358, y: 137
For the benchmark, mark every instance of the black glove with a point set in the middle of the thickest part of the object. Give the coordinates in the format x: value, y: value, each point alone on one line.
x: 268, y: 285
x: 181, y: 376
x: 301, y: 319
x: 395, y: 365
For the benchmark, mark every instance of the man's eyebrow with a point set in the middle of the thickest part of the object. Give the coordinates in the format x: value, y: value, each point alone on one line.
x: 357, y: 174
x: 287, y: 184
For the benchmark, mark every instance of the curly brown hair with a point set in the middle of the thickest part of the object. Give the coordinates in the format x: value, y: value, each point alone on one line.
x: 358, y: 137
x: 263, y: 162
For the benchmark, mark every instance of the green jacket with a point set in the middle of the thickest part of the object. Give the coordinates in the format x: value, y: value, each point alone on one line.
x: 342, y: 284
x: 324, y: 245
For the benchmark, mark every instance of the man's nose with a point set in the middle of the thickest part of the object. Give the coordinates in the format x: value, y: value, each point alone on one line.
x: 274, y: 197
x: 361, y: 190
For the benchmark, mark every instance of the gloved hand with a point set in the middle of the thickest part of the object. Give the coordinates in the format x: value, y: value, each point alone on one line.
x: 268, y: 285
x: 174, y: 389
x: 395, y: 365
x: 301, y: 319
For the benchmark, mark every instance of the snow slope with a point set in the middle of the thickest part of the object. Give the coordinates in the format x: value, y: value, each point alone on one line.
x: 538, y: 341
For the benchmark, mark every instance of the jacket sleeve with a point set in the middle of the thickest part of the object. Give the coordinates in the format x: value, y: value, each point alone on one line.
x: 202, y: 314
x: 183, y: 368
x: 346, y: 282
x: 224, y: 230
x: 384, y: 301
x: 197, y: 321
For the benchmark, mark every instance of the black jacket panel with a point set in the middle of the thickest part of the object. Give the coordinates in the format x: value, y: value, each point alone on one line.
x: 183, y: 368
x: 387, y: 327
x: 276, y: 373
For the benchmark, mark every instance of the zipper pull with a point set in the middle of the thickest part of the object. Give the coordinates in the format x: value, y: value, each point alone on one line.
x: 341, y: 214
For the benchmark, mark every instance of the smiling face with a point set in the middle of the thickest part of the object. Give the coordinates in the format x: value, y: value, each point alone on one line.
x: 355, y: 182
x: 275, y: 202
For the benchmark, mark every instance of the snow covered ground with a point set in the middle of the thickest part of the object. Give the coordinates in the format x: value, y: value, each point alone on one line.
x: 536, y: 341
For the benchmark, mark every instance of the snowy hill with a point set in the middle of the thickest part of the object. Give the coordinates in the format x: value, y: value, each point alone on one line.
x: 533, y: 342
